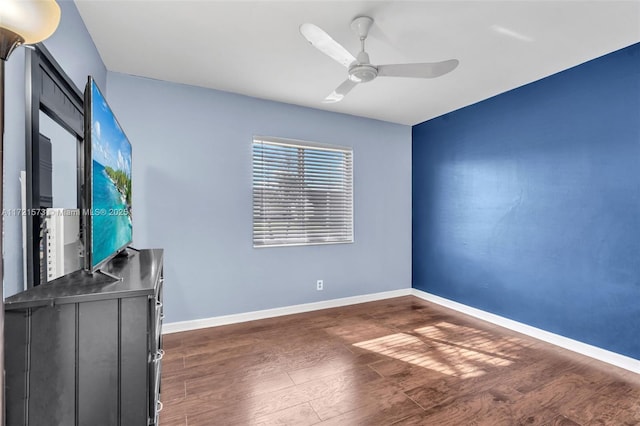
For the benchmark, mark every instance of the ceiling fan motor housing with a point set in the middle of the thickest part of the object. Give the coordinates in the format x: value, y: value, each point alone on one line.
x: 362, y: 73
x: 361, y: 70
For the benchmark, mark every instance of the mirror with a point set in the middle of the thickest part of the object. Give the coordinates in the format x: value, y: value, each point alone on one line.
x: 64, y: 163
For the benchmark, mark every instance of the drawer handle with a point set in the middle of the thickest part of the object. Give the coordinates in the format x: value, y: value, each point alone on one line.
x: 159, y: 355
x: 159, y: 406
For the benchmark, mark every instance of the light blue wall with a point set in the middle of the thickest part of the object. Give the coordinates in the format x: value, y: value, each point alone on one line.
x: 184, y: 201
x: 192, y: 196
x: 73, y: 48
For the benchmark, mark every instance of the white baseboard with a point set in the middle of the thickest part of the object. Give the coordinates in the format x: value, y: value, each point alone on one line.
x: 176, y: 327
x: 600, y: 354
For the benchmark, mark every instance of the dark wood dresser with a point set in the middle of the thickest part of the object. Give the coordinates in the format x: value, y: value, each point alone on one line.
x: 86, y: 349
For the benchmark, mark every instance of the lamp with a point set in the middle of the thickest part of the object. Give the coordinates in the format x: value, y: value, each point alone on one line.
x: 21, y: 22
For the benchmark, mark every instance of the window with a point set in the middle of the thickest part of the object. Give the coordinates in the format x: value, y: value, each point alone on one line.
x: 302, y: 193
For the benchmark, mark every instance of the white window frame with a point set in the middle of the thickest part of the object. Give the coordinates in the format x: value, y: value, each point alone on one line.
x: 301, y: 231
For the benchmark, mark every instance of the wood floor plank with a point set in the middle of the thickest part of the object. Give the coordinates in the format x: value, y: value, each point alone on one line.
x: 370, y: 396
x: 259, y: 363
x: 332, y: 366
x: 381, y: 412
x: 173, y: 412
x: 601, y: 409
x: 173, y: 389
x: 561, y: 420
x: 173, y: 340
x: 172, y: 360
x: 216, y: 355
x: 301, y: 415
x: 221, y: 388
x: 359, y: 329
x: 247, y: 410
x: 407, y: 376
x: 399, y: 361
x: 478, y: 409
x: 541, y: 416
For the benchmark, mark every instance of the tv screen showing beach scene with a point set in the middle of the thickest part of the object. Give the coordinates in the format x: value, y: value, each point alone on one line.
x: 111, y: 221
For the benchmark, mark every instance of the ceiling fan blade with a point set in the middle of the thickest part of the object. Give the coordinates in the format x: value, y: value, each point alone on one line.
x: 340, y: 92
x: 324, y: 43
x: 427, y: 70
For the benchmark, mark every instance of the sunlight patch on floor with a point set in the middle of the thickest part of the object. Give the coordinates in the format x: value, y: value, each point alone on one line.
x: 448, y: 349
x: 478, y: 340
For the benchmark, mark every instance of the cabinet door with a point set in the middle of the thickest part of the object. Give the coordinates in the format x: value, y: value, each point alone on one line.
x: 134, y: 360
x: 98, y: 363
x: 16, y: 332
x: 52, y: 385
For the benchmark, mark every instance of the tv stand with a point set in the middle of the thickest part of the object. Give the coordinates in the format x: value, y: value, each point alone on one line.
x: 107, y: 274
x: 86, y: 350
x: 125, y: 252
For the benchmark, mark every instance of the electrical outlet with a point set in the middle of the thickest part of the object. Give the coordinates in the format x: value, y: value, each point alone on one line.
x: 319, y: 285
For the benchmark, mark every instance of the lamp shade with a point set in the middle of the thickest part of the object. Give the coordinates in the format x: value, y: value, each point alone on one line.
x: 33, y: 20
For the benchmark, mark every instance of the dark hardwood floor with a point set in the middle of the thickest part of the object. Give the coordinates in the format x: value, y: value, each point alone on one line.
x: 400, y: 361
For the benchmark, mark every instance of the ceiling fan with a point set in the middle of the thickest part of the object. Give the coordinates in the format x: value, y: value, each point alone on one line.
x: 360, y: 69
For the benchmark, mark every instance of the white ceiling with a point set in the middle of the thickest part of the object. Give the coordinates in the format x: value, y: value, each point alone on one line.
x: 254, y: 47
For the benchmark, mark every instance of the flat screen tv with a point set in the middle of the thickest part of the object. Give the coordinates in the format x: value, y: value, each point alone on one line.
x: 107, y: 183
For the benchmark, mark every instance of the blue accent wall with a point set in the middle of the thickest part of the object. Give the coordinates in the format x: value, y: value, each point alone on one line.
x: 527, y: 205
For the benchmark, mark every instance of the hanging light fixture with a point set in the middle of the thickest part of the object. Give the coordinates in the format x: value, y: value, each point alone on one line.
x: 21, y: 22
x: 26, y: 22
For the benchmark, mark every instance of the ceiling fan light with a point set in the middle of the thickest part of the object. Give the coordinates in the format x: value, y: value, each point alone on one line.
x: 31, y: 20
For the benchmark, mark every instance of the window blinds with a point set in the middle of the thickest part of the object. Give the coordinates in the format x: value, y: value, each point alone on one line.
x: 302, y: 193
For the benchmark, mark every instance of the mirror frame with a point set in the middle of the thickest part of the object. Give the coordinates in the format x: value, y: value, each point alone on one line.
x: 50, y: 90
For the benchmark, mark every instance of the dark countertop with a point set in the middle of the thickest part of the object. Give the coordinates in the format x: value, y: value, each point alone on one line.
x: 139, y: 272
